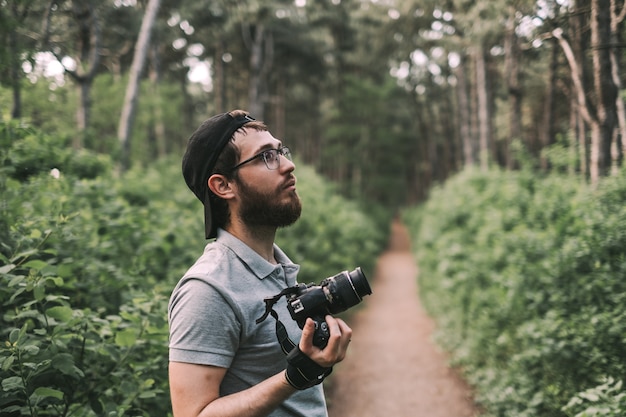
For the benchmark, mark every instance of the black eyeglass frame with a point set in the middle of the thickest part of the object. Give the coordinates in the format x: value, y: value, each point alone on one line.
x: 283, y: 150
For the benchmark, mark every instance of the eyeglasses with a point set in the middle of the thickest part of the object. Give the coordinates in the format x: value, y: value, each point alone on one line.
x: 271, y: 157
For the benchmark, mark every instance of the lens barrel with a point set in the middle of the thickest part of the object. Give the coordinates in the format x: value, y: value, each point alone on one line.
x: 349, y: 290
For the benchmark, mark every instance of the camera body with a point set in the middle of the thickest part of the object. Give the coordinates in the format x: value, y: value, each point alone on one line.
x: 333, y: 295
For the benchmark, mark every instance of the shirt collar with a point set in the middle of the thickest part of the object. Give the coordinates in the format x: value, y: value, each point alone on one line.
x: 255, y: 262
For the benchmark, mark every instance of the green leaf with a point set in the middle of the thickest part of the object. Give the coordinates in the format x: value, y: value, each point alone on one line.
x: 7, y: 362
x: 64, y: 362
x: 25, y: 254
x: 45, y: 392
x: 126, y: 337
x: 36, y: 264
x: 31, y: 349
x: 39, y: 293
x: 57, y: 281
x: 12, y: 383
x: 62, y: 313
x: 16, y: 280
x: 5, y: 269
x: 96, y: 405
x: 14, y: 335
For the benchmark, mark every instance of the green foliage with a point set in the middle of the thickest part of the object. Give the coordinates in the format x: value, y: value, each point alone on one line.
x: 27, y: 152
x: 86, y: 268
x: 526, y: 277
x: 51, y: 108
x: 333, y: 234
x: 606, y: 400
x: 87, y: 263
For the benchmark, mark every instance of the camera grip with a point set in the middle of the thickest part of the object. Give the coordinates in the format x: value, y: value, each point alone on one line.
x: 322, y: 332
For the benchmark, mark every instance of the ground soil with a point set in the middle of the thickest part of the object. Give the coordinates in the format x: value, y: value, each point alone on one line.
x: 393, y: 368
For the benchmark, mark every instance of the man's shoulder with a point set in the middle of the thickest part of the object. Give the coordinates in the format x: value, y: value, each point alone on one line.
x: 215, y: 260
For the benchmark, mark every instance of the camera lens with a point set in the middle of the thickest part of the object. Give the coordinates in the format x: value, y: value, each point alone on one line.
x: 361, y: 286
x: 349, y: 290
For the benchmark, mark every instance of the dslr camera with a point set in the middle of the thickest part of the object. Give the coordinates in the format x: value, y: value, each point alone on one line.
x: 333, y: 295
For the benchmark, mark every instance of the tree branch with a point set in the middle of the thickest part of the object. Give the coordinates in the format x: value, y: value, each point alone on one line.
x: 576, y: 75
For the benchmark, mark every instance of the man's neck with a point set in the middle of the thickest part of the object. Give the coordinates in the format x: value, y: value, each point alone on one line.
x: 260, y: 239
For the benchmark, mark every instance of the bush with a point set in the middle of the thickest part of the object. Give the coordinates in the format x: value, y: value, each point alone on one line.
x: 526, y: 277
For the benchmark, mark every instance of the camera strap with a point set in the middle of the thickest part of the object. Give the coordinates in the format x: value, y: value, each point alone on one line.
x: 286, y: 344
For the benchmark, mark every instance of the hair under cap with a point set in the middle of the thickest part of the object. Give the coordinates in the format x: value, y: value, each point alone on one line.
x: 203, y: 149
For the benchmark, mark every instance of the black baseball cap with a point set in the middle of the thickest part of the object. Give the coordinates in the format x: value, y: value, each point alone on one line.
x: 203, y: 149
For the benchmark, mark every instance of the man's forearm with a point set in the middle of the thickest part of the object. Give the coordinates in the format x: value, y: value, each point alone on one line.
x: 256, y: 401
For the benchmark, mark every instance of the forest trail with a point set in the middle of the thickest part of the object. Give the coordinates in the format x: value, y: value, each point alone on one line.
x: 393, y: 369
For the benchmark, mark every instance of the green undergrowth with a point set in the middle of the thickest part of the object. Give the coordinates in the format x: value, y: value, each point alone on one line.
x: 526, y: 277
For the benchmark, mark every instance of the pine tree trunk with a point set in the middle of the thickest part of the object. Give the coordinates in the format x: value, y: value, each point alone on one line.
x: 605, y: 89
x: 219, y: 78
x: 546, y: 130
x: 483, y: 109
x: 261, y: 55
x: 88, y: 62
x: 512, y: 74
x: 157, y: 122
x: 465, y: 130
x: 16, y: 86
x: 617, y: 151
x: 132, y: 89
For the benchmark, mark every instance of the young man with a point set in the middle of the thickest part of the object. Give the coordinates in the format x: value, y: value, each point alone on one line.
x: 222, y: 363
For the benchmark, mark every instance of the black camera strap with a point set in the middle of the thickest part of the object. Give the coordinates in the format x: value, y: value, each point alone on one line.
x: 286, y: 344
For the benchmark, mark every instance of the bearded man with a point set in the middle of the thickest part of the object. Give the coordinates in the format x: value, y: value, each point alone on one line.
x: 222, y: 363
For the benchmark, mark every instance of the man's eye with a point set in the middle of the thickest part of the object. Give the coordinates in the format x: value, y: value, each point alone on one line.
x: 269, y: 155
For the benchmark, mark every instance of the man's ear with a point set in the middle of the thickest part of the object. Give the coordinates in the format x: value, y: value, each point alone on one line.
x: 220, y: 186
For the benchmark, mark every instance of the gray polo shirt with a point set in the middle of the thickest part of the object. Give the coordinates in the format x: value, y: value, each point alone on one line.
x: 212, y: 315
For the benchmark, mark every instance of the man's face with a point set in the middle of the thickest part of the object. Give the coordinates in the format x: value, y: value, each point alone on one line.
x: 266, y: 197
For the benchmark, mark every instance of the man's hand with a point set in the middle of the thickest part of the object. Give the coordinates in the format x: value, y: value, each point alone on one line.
x: 335, y: 350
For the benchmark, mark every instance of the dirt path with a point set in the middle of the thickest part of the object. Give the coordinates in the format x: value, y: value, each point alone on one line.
x: 393, y: 369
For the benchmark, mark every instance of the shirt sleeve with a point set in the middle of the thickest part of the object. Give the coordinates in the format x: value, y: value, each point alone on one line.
x: 203, y: 326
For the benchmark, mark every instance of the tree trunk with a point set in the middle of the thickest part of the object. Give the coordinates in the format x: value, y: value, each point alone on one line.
x: 83, y: 112
x: 546, y: 132
x: 261, y: 54
x: 87, y: 62
x: 16, y: 86
x: 280, y: 121
x: 483, y: 108
x: 465, y: 129
x: 578, y: 92
x: 579, y: 41
x: 132, y: 90
x: 579, y: 145
x: 618, y: 151
x: 512, y: 74
x: 157, y: 112
x: 219, y: 77
x: 605, y: 90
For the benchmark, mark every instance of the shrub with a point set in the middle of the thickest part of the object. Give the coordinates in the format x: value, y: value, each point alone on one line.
x: 526, y: 277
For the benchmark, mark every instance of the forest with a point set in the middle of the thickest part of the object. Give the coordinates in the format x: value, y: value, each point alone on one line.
x: 495, y: 129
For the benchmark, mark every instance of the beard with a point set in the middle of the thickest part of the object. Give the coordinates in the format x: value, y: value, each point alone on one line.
x: 262, y: 209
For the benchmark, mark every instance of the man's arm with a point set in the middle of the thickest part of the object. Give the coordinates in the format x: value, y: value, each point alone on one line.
x: 195, y: 388
x: 195, y: 392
